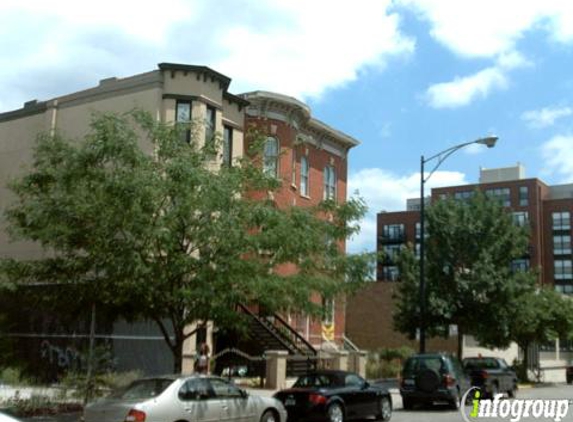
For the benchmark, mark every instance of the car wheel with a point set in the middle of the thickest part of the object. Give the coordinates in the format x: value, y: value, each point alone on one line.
x: 511, y: 393
x: 269, y: 416
x: 385, y: 409
x: 428, y: 381
x: 335, y: 413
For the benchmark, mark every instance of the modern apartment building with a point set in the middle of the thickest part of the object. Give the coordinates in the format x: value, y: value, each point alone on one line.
x: 545, y: 210
x: 308, y: 156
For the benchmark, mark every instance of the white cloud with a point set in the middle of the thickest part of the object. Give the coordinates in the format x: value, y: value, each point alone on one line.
x: 462, y: 91
x: 558, y: 156
x: 546, y: 116
x: 293, y: 47
x: 487, y: 28
x: 386, y: 191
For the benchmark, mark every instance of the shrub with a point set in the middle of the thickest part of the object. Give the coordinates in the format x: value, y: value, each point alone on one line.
x: 101, y: 384
x: 387, y: 362
x: 13, y: 375
x: 38, y: 405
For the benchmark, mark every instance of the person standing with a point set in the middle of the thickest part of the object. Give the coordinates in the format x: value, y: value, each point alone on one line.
x: 202, y: 362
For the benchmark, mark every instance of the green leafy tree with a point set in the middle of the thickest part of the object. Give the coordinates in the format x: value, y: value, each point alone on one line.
x: 469, y: 281
x: 539, y: 317
x: 144, y: 222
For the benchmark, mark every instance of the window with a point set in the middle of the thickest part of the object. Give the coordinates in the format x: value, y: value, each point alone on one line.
x: 304, y: 176
x: 501, y: 194
x: 519, y: 265
x: 353, y: 380
x: 562, y: 244
x: 271, y: 157
x: 564, y: 288
x: 521, y: 218
x: 223, y: 389
x: 464, y: 195
x: 183, y: 118
x: 561, y: 220
x: 418, y: 231
x: 227, y: 146
x: 393, y: 231
x: 330, y: 183
x: 328, y: 305
x: 195, y: 389
x: 210, y: 125
x: 390, y: 273
x: 523, y: 196
x: 391, y: 252
x: 562, y: 269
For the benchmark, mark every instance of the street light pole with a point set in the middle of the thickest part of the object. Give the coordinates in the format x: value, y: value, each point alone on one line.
x: 488, y: 141
x: 422, y: 274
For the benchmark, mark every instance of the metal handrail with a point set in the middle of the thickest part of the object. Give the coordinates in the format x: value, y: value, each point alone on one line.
x: 273, y: 332
x: 295, y: 336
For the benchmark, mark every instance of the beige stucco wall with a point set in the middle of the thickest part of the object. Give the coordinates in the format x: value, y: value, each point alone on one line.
x: 70, y: 116
x: 187, y: 83
x: 74, y: 121
x: 17, y: 137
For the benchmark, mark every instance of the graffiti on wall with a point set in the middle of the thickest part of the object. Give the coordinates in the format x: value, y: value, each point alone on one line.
x: 63, y: 357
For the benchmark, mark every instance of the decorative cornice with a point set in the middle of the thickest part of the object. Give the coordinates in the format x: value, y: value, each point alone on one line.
x: 200, y: 71
x: 297, y: 114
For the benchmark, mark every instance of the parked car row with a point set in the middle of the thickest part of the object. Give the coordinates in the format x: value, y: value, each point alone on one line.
x: 331, y: 396
x: 322, y: 395
x: 441, y: 378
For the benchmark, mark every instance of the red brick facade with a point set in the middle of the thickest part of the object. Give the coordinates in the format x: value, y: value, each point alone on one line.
x: 299, y: 136
x: 369, y: 314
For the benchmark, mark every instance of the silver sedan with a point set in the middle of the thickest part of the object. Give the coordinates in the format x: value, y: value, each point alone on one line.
x: 184, y: 399
x: 6, y: 418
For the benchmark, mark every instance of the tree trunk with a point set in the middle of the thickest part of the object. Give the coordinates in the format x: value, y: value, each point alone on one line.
x: 524, y: 373
x: 460, y: 342
x: 177, y: 351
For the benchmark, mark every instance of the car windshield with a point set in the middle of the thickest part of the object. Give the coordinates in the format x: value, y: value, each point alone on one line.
x: 481, y: 363
x: 418, y: 364
x: 314, y: 380
x: 143, y: 389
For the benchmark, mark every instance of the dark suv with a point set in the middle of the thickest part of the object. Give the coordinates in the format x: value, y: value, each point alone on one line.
x: 433, y: 378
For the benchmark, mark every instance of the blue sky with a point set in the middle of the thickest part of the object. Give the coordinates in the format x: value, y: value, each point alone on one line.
x: 405, y: 77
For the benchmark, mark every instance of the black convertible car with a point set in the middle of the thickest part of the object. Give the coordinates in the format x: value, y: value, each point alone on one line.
x: 335, y: 396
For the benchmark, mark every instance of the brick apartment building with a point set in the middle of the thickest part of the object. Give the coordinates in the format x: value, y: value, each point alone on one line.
x: 308, y: 156
x: 546, y: 210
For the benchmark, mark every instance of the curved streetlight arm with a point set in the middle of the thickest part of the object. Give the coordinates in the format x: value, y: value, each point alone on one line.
x: 441, y: 156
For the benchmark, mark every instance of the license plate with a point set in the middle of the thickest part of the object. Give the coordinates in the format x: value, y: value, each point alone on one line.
x: 290, y: 401
x: 409, y: 382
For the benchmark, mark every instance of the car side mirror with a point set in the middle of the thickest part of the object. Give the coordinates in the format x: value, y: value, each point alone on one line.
x: 365, y: 385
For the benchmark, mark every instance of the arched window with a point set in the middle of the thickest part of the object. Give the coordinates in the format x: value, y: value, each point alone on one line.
x: 271, y: 157
x: 304, y: 175
x: 330, y: 183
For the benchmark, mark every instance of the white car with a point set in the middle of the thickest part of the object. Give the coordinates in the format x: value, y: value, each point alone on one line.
x: 195, y: 398
x: 6, y: 418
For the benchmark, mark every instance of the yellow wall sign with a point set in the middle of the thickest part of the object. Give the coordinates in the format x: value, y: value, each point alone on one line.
x: 328, y: 332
